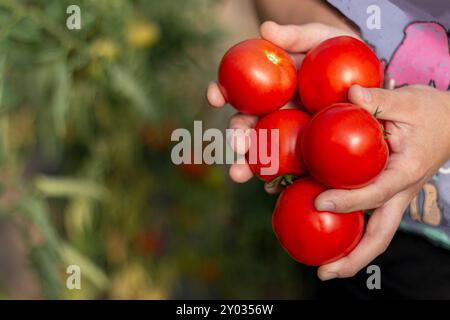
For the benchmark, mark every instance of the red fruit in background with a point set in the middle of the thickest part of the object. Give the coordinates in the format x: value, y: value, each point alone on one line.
x: 309, y: 236
x: 194, y: 171
x: 330, y: 69
x: 148, y: 242
x: 290, y: 124
x: 157, y: 137
x: 344, y: 147
x: 256, y: 77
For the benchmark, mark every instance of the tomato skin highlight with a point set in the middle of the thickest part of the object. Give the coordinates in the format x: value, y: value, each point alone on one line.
x: 309, y: 236
x: 290, y: 124
x: 256, y: 77
x: 344, y: 147
x: 330, y: 69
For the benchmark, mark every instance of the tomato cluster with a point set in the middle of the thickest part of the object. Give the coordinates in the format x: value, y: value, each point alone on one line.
x: 336, y: 143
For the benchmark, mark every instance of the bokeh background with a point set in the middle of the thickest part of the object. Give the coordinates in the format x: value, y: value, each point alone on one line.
x: 85, y: 170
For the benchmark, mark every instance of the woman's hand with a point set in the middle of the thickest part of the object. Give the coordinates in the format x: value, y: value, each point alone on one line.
x: 418, y: 122
x: 295, y: 39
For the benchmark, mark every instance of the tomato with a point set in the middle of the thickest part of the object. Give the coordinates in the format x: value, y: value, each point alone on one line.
x: 290, y: 124
x: 256, y: 77
x: 309, y: 236
x: 146, y: 242
x: 330, y: 69
x: 344, y: 146
x: 194, y: 171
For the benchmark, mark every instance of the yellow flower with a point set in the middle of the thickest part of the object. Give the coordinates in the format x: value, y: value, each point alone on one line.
x: 133, y: 282
x: 143, y: 34
x: 105, y: 48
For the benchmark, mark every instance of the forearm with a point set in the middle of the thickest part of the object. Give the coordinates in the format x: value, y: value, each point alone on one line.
x: 301, y: 12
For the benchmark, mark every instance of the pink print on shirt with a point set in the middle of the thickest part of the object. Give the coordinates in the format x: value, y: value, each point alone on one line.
x: 423, y: 57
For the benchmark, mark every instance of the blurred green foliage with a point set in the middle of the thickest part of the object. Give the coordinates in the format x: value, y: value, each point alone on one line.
x: 85, y: 124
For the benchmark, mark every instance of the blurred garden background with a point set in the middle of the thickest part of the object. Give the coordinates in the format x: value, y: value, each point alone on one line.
x: 85, y: 171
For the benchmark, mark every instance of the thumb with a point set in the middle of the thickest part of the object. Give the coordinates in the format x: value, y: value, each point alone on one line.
x: 299, y: 38
x: 387, y: 104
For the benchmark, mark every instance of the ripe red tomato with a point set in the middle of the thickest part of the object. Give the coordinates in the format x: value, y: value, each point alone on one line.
x: 330, y: 69
x: 256, y: 77
x: 309, y: 236
x: 290, y: 124
x: 344, y: 146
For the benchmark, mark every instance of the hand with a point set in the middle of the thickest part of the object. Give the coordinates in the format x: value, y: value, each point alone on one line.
x: 418, y: 119
x: 295, y: 39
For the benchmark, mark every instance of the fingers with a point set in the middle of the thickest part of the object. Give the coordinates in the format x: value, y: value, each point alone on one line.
x: 215, y: 96
x: 272, y: 188
x: 240, y: 143
x: 243, y: 121
x: 298, y: 58
x: 240, y: 173
x: 379, y: 232
x: 388, y: 104
x: 239, y: 140
x: 299, y: 38
x: 390, y: 182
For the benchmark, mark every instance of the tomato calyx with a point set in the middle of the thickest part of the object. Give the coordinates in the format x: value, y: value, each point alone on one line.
x: 377, y: 112
x: 284, y: 180
x: 386, y: 133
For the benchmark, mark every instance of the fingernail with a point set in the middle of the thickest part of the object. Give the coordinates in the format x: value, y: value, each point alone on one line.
x: 326, y: 206
x: 328, y: 276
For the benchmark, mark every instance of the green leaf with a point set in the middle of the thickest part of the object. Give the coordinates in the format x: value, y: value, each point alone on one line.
x: 37, y: 212
x: 4, y: 140
x: 2, y: 78
x: 44, y: 257
x: 25, y: 30
x: 125, y: 83
x: 60, y: 101
x: 69, y: 187
x: 45, y: 263
x: 4, y: 121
